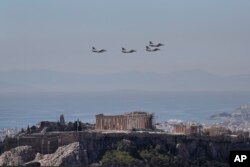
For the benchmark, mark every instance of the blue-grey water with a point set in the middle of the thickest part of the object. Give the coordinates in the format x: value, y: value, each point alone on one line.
x: 19, y: 110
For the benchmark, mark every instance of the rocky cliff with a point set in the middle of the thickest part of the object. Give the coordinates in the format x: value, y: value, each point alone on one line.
x: 189, y: 148
x: 133, y: 149
x: 17, y: 156
x: 69, y: 155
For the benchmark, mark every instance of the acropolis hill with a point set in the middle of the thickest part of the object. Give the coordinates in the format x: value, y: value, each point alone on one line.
x: 96, y: 144
x: 131, y: 134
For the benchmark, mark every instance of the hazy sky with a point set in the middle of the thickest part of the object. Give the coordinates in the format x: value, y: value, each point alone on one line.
x: 212, y: 35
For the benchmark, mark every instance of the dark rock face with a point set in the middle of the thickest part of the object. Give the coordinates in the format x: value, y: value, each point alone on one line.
x: 126, y: 145
x: 187, y: 147
x: 17, y: 156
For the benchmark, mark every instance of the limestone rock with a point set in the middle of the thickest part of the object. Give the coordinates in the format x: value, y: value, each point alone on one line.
x: 38, y: 157
x: 32, y: 163
x: 68, y: 155
x: 17, y: 156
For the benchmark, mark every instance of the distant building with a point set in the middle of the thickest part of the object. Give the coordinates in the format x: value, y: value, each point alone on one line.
x: 188, y: 129
x: 180, y: 128
x: 129, y: 121
x: 216, y: 131
x: 62, y: 121
x: 195, y: 130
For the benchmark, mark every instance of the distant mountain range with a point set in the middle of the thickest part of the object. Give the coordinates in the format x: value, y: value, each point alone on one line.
x: 191, y: 80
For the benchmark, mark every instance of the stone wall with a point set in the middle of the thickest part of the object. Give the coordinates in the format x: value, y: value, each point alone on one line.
x: 44, y: 144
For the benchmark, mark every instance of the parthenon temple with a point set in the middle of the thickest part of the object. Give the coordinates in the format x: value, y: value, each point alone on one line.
x: 127, y: 121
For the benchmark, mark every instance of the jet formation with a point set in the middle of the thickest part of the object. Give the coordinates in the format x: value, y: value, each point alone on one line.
x: 149, y: 48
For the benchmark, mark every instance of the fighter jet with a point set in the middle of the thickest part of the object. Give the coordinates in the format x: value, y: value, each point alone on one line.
x: 155, y: 45
x: 148, y: 49
x: 98, y: 51
x: 127, y: 51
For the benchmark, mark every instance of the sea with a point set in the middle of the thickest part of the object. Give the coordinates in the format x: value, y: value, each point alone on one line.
x: 18, y: 110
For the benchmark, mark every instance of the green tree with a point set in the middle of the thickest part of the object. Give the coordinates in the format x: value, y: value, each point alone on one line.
x: 28, y: 129
x: 77, y: 125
